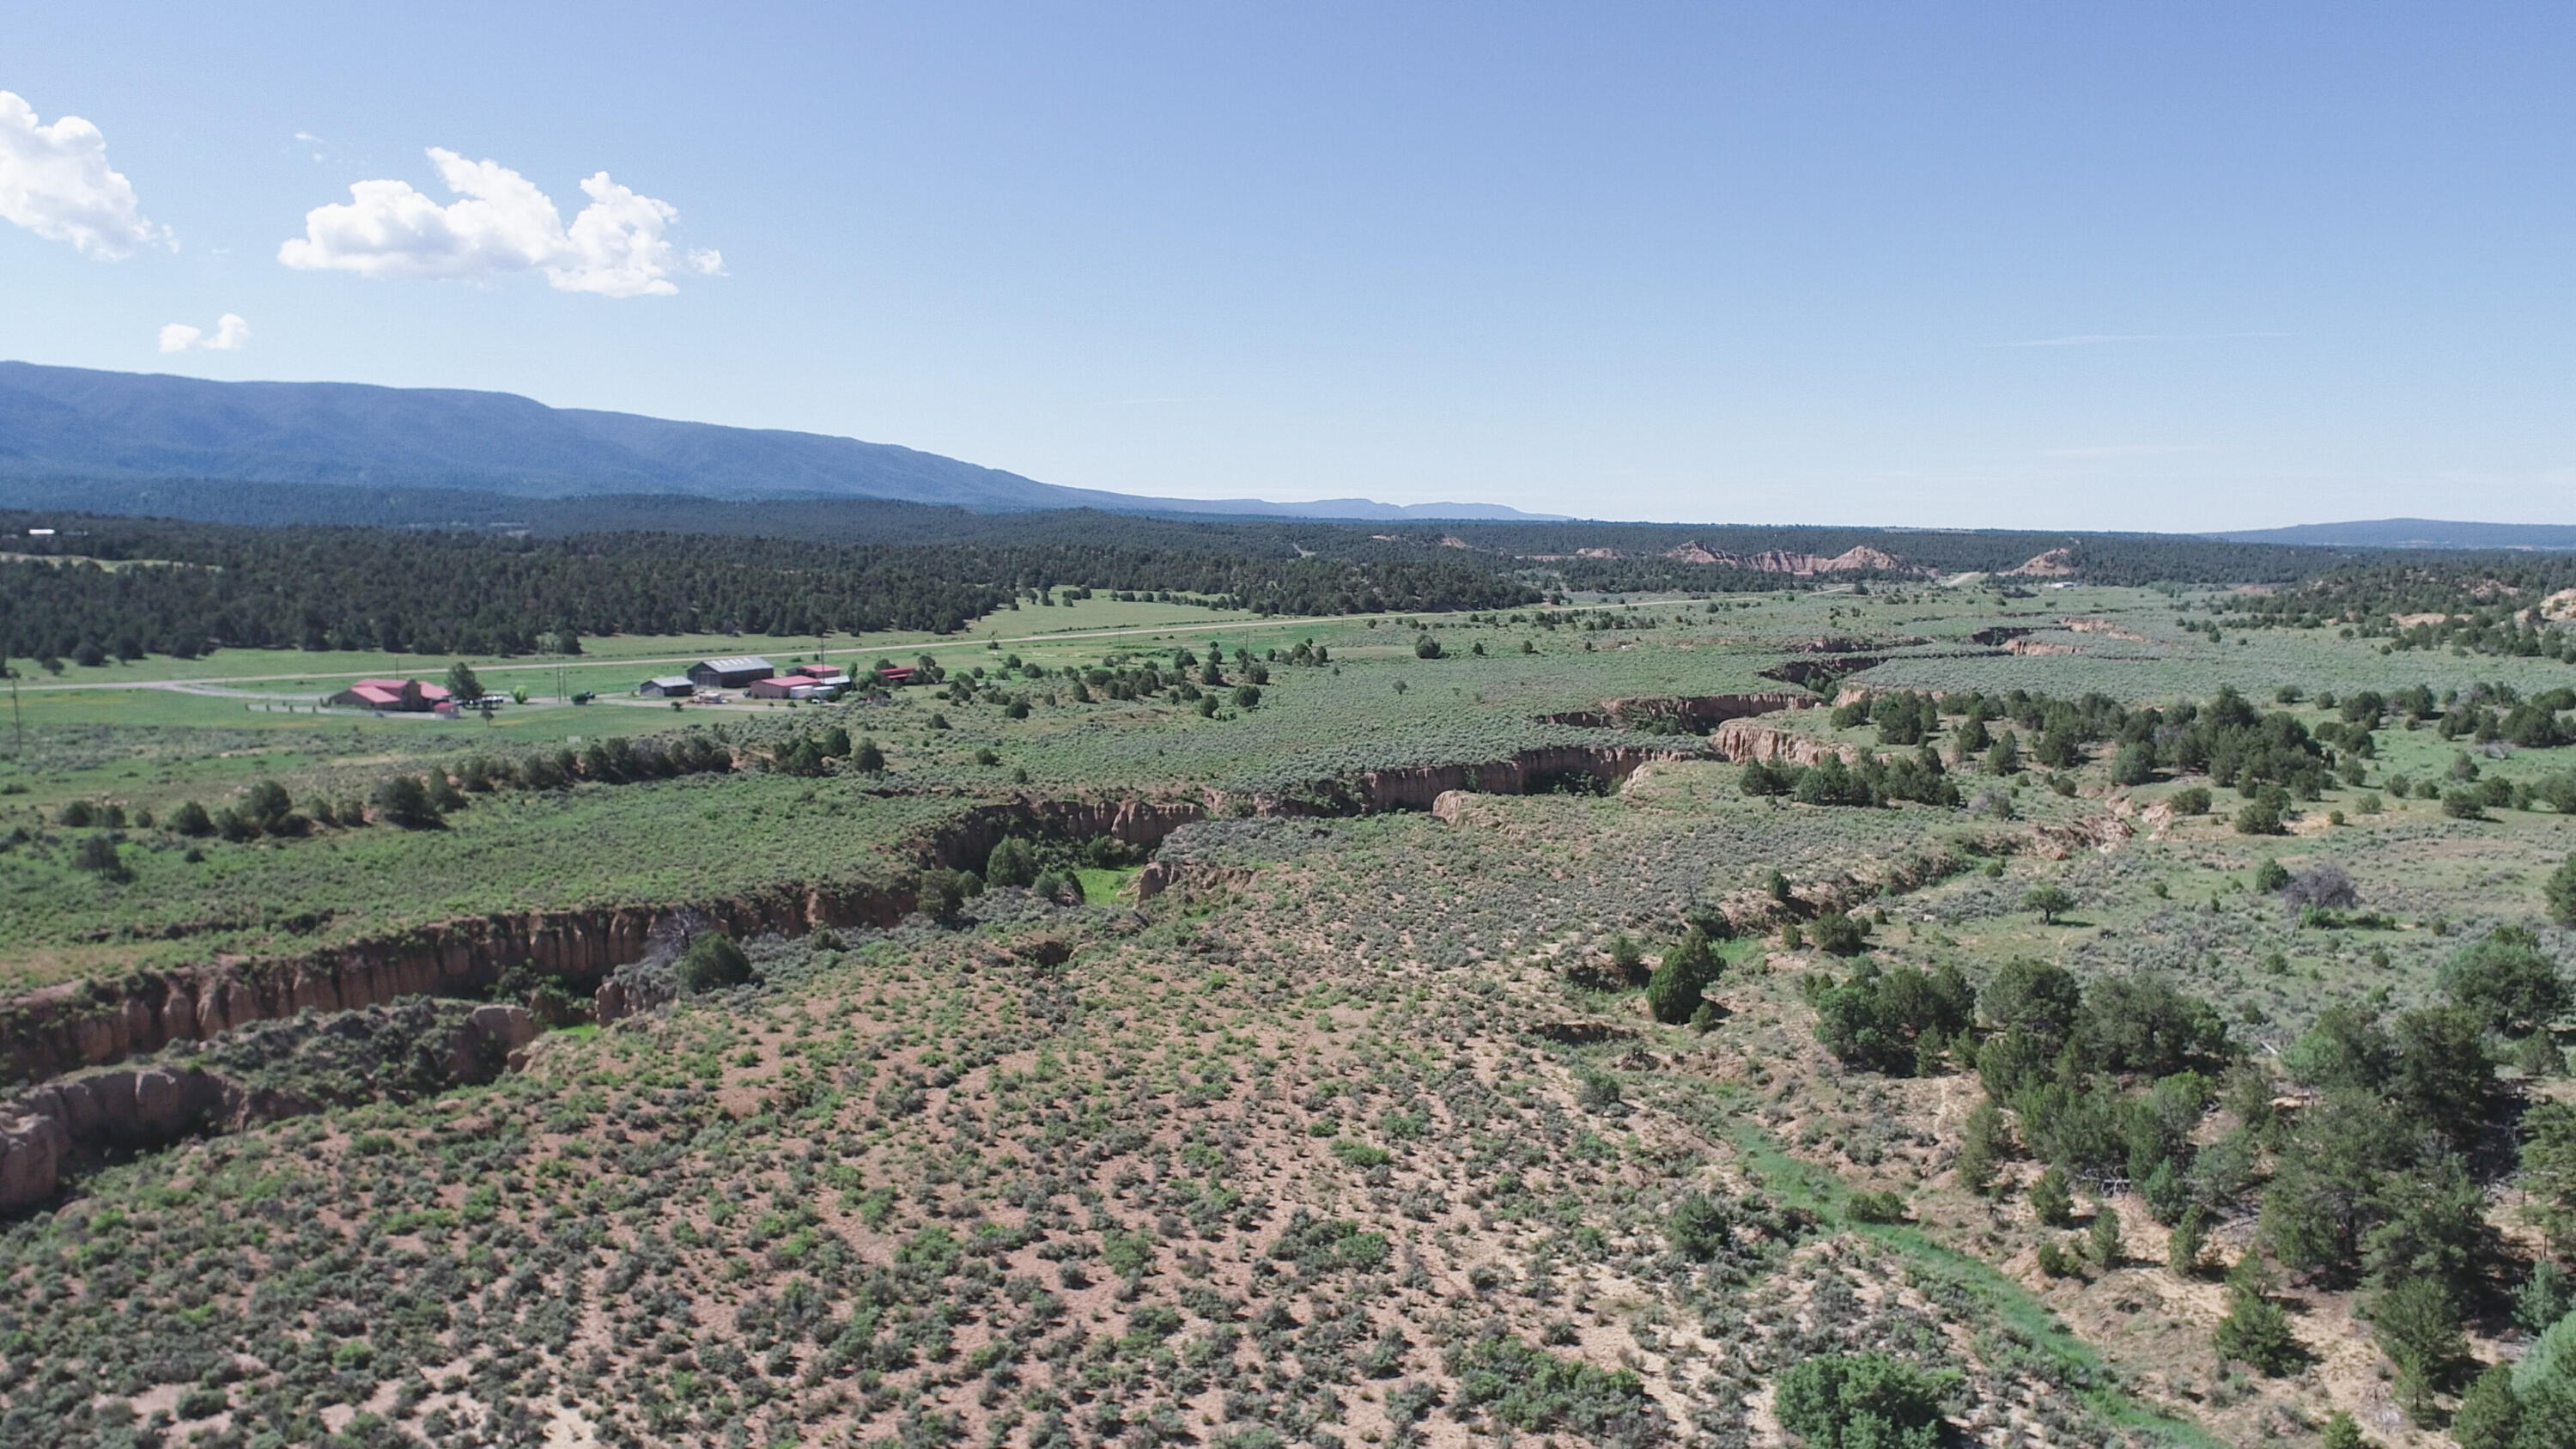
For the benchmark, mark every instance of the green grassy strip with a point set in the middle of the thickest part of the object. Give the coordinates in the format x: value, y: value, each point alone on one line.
x: 1106, y: 885
x: 1803, y: 1184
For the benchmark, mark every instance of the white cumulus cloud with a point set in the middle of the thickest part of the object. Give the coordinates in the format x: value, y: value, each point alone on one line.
x: 501, y: 223
x: 55, y: 182
x: 231, y: 334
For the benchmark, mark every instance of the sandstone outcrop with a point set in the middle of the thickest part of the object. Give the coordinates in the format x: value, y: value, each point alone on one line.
x: 2104, y: 833
x: 2103, y: 627
x: 1416, y: 787
x: 1743, y: 741
x: 1788, y: 561
x: 44, y: 1131
x: 1696, y: 712
x: 963, y: 844
x: 2057, y: 563
x: 1812, y: 672
x: 58, y: 1029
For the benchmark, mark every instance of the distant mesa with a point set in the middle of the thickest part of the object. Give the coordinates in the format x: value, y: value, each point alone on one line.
x: 1862, y: 558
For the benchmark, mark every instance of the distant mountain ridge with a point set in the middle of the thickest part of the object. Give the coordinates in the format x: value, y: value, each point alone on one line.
x: 2413, y: 533
x: 64, y: 422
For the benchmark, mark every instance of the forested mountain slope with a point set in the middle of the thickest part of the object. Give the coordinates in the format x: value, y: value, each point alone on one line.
x: 64, y: 423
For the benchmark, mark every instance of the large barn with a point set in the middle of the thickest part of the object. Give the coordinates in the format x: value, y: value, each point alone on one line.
x: 732, y: 672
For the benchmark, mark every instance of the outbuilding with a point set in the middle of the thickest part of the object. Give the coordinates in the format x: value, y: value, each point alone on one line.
x: 784, y: 686
x: 732, y: 672
x: 669, y: 686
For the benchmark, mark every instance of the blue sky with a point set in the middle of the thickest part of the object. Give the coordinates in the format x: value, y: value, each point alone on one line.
x: 2170, y: 267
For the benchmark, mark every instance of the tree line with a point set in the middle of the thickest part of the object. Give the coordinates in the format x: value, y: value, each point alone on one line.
x: 103, y: 587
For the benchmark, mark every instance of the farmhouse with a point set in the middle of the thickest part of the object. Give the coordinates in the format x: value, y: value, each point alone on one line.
x: 407, y: 696
x: 669, y: 686
x: 895, y: 673
x: 732, y: 672
x: 829, y: 676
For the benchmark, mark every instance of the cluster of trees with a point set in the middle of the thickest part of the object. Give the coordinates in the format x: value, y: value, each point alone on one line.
x: 2484, y: 603
x: 1865, y: 1401
x: 2528, y: 1405
x: 2375, y: 1180
x: 422, y: 802
x: 813, y: 753
x: 612, y: 761
x: 178, y: 588
x: 2377, y: 1183
x: 2272, y: 757
x: 2487, y: 713
x: 2228, y: 738
x: 1903, y: 716
x: 1048, y: 867
x: 265, y: 809
x: 1184, y: 680
x: 2467, y: 792
x: 1016, y: 862
x: 1873, y: 781
x: 1900, y: 1021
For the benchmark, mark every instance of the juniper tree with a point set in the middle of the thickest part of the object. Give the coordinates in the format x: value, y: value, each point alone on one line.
x: 2049, y: 901
x: 1674, y: 992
